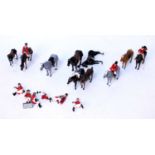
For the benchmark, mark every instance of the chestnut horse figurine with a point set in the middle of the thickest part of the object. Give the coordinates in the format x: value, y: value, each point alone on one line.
x: 127, y: 57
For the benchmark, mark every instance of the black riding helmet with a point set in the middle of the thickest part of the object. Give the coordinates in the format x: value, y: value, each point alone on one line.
x: 145, y: 47
x: 116, y: 62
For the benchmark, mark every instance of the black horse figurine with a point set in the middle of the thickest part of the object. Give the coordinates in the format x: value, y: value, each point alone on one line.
x: 139, y: 59
x: 91, y: 58
x: 93, y: 53
x: 75, y: 61
x: 91, y: 61
x: 12, y: 55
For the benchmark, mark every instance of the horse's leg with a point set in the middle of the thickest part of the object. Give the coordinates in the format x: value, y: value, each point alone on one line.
x: 101, y: 62
x: 21, y: 66
x: 75, y: 84
x: 81, y: 84
x: 50, y: 71
x: 76, y: 68
x: 72, y: 68
x: 131, y: 58
x: 47, y: 72
x: 125, y: 64
x: 91, y: 78
x: 108, y: 81
x: 31, y: 57
x: 136, y: 65
x: 84, y: 85
x: 144, y: 56
x: 25, y: 65
x: 56, y: 65
x: 11, y: 62
x: 139, y: 65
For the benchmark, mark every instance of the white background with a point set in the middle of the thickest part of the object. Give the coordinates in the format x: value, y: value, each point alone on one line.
x: 56, y: 18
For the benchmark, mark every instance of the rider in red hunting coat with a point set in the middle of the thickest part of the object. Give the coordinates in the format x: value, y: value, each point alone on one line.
x: 44, y: 96
x: 25, y: 49
x: 143, y: 50
x: 28, y: 95
x: 19, y: 89
x: 61, y: 99
x: 77, y: 104
x: 114, y: 67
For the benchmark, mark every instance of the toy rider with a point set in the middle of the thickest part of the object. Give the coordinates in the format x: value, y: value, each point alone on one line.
x: 61, y: 99
x: 114, y: 68
x: 19, y: 90
x: 77, y: 104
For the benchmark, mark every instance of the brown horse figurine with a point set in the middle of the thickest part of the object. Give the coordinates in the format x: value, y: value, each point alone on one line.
x: 87, y: 76
x: 73, y: 79
x: 126, y: 57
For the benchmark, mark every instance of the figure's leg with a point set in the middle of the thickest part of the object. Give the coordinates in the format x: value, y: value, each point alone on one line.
x: 16, y: 57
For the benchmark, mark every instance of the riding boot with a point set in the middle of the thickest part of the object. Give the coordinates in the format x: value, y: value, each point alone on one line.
x: 50, y: 99
x: 82, y: 106
x: 73, y: 109
x: 14, y: 93
x: 39, y: 105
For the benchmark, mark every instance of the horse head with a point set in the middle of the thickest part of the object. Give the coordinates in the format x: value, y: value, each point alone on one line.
x: 30, y: 50
x: 122, y: 58
x: 51, y: 59
x: 42, y: 66
x: 69, y: 80
x: 73, y: 79
x: 69, y: 62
